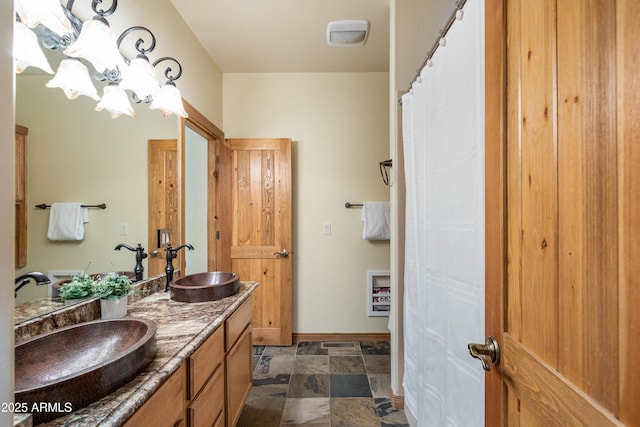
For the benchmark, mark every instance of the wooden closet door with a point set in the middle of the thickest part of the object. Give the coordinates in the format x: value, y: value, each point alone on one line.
x: 261, y: 232
x: 569, y: 318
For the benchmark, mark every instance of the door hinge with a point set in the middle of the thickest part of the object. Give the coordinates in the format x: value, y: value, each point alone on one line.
x: 217, y: 234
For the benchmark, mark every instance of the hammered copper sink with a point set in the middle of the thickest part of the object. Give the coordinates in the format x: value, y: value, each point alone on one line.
x: 208, y: 286
x: 74, y: 366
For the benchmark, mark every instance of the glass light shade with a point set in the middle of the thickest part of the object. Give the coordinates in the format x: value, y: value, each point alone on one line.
x: 115, y: 101
x: 169, y: 101
x: 27, y: 51
x: 97, y: 44
x: 141, y: 78
x: 73, y: 78
x: 46, y: 12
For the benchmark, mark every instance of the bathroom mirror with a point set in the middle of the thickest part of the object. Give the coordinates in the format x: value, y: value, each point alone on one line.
x: 76, y: 154
x: 196, y: 204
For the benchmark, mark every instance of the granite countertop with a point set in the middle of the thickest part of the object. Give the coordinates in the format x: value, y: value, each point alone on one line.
x: 181, y: 329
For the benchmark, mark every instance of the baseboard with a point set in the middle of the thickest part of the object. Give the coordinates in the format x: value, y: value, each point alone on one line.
x: 378, y: 336
x: 397, y: 402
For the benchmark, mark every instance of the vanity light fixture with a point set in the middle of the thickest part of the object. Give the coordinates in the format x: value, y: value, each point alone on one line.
x: 115, y: 102
x: 44, y: 12
x: 168, y: 100
x: 57, y: 28
x: 97, y: 44
x: 140, y: 77
x: 28, y: 51
x: 73, y: 78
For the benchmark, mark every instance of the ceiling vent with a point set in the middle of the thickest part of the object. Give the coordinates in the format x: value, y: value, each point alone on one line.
x: 347, y: 33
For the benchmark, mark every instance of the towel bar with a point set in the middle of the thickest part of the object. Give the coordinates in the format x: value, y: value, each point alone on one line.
x: 100, y: 206
x: 352, y: 205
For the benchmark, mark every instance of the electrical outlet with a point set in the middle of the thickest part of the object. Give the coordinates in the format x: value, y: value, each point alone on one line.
x: 124, y: 229
x: 326, y: 228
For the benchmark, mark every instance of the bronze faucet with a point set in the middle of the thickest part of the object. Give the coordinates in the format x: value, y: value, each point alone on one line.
x: 37, y: 277
x: 171, y: 254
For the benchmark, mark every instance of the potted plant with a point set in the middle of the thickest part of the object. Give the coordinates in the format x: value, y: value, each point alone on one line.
x: 78, y: 288
x: 113, y: 291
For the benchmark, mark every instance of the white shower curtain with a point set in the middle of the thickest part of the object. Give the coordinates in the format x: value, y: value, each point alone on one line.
x: 443, y: 134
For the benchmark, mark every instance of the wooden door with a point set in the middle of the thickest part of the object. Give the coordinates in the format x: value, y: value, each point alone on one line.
x: 162, y: 171
x: 566, y: 314
x: 260, y: 225
x: 21, y: 197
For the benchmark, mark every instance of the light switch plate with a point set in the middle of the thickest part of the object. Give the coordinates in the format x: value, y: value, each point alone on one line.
x: 326, y: 228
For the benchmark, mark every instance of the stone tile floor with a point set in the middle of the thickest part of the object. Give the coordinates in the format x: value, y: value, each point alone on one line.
x: 321, y: 384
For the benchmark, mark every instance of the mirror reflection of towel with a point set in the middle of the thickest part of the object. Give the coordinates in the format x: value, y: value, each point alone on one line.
x: 66, y: 221
x: 376, y: 219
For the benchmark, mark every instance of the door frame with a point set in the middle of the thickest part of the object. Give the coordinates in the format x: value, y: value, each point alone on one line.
x: 197, y: 122
x: 495, y: 196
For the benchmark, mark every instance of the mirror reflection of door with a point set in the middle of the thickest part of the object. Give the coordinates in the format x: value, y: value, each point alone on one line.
x: 196, y: 199
x: 162, y: 167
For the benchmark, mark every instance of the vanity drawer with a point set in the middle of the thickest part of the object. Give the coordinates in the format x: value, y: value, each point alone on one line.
x: 237, y: 323
x: 206, y: 359
x: 208, y: 407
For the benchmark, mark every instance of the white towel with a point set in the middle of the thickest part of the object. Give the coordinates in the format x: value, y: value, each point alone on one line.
x: 66, y: 221
x: 376, y: 219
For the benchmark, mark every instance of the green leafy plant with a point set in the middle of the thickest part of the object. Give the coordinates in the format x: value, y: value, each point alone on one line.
x: 114, y: 286
x: 80, y: 286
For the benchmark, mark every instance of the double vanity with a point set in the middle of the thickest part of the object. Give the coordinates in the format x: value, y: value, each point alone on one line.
x: 201, y: 374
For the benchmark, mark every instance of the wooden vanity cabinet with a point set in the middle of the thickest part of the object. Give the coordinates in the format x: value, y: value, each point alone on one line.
x: 220, y: 374
x: 238, y: 364
x: 211, y: 386
x: 166, y: 406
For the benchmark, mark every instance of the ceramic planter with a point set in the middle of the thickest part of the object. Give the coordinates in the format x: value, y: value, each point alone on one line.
x: 113, y: 308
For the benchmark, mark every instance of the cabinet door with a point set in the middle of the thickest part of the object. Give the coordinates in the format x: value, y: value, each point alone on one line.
x: 204, y: 361
x: 239, y: 377
x: 166, y: 406
x: 236, y: 323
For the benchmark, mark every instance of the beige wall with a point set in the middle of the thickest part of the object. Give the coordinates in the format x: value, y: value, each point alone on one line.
x: 340, y: 130
x: 415, y: 28
x: 6, y: 209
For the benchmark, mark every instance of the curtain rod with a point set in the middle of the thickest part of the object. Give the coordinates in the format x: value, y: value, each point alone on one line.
x: 443, y: 32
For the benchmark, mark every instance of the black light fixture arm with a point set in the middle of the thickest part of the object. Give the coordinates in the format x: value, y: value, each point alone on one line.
x: 140, y: 43
x: 94, y: 5
x: 167, y: 72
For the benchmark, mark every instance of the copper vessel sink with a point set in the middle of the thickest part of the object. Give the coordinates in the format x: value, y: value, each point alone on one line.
x: 208, y: 286
x: 74, y: 366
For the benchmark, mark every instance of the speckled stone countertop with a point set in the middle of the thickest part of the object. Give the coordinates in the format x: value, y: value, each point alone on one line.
x: 181, y: 329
